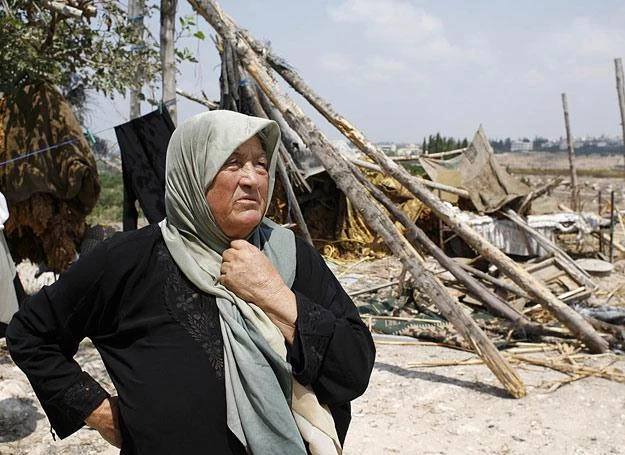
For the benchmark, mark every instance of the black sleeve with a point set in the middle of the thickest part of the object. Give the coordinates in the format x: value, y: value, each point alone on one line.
x: 333, y: 349
x: 44, y: 335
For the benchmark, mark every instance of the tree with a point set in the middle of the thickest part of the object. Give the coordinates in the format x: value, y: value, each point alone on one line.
x: 45, y: 43
x: 438, y: 143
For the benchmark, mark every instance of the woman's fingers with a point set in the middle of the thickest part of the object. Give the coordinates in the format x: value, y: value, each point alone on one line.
x: 105, y: 419
x: 247, y: 272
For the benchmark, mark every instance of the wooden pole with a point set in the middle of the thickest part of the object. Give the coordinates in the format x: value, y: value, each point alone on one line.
x: 600, y: 233
x: 620, y: 90
x: 168, y: 62
x: 612, y: 225
x: 569, y: 144
x: 538, y: 193
x: 135, y: 14
x: 532, y: 286
x: 291, y: 141
x: 371, y: 211
x: 428, y: 183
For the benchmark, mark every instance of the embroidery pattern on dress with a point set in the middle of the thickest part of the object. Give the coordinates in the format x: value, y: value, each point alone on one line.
x: 196, y: 312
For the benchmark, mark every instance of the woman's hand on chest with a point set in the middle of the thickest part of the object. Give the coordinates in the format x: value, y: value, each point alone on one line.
x: 248, y: 273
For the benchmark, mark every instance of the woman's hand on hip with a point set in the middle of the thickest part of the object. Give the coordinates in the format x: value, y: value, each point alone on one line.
x: 105, y: 419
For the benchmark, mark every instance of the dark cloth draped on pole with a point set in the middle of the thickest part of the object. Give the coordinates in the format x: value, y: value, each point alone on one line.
x: 143, y: 146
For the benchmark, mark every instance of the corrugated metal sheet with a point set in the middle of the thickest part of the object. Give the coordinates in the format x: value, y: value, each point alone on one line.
x: 509, y: 238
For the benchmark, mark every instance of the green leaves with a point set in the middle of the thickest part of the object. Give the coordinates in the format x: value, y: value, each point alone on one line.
x: 37, y: 44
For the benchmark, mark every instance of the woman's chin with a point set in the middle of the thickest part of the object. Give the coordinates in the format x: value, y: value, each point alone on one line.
x: 243, y: 224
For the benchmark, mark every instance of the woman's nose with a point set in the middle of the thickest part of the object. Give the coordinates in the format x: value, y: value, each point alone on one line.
x: 249, y: 174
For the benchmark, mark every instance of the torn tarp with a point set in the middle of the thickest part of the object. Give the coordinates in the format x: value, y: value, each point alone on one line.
x: 476, y: 170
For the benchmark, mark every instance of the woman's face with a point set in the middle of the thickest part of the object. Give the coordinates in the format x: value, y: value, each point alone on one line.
x: 237, y: 197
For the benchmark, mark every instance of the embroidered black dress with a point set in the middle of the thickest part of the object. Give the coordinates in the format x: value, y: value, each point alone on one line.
x: 160, y: 340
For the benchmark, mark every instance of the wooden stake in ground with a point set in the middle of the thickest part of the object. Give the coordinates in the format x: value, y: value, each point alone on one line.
x: 620, y: 90
x: 371, y: 211
x: 569, y: 144
x: 532, y: 286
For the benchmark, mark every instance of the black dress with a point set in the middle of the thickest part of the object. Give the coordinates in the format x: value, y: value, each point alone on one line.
x: 160, y: 340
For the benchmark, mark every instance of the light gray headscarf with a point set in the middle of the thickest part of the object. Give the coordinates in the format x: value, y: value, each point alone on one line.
x: 267, y: 409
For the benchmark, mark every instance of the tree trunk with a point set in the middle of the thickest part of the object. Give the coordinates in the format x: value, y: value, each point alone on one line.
x: 135, y: 14
x: 370, y: 210
x: 168, y: 62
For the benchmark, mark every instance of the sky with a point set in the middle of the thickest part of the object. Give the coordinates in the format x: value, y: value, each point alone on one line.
x: 400, y: 70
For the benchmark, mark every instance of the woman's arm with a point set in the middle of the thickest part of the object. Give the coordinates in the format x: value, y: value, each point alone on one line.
x: 333, y: 349
x: 44, y: 336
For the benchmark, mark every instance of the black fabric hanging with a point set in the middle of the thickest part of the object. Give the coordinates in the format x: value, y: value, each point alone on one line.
x: 143, y: 146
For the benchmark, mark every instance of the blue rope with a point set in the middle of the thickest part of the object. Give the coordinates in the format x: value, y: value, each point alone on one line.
x: 90, y: 135
x: 51, y: 147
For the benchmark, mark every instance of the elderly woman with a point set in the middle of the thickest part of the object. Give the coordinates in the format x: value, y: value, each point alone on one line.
x: 221, y: 331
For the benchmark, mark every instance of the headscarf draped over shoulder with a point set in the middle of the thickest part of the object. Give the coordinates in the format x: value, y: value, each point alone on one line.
x: 267, y: 409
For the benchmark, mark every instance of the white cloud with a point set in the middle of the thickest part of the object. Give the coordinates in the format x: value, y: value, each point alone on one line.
x: 335, y: 62
x: 581, y: 49
x: 534, y: 77
x: 587, y: 40
x: 373, y: 68
x: 380, y: 68
x: 406, y: 30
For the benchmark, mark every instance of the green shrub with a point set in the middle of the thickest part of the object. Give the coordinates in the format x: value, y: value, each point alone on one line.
x: 109, y: 208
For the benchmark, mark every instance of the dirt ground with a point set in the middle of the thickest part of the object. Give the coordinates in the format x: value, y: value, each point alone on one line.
x: 411, y: 406
x: 407, y: 410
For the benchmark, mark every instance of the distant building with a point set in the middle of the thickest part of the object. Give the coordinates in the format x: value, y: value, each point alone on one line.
x: 388, y: 149
x: 521, y: 146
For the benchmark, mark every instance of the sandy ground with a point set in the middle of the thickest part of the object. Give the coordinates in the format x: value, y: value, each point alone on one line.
x: 406, y: 410
x: 464, y: 410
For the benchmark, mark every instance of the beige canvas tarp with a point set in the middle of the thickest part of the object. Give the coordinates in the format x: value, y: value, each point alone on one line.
x: 476, y: 170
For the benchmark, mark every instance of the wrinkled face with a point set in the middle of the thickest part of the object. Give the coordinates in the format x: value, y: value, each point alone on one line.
x: 237, y: 197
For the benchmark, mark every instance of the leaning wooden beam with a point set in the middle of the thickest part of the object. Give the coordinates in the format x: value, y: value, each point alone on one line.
x: 293, y: 204
x: 371, y: 211
x: 569, y: 317
x: 511, y: 287
x: 430, y: 184
x: 290, y: 139
x: 444, y: 154
x: 565, y: 260
x: 209, y: 104
x: 475, y: 288
x: 538, y: 192
x: 249, y: 96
